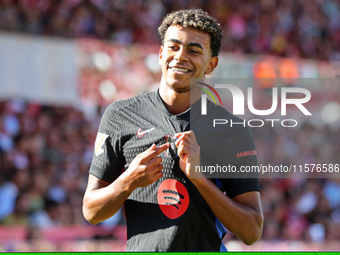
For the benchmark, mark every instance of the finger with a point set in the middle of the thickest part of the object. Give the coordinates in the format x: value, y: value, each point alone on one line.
x: 184, y: 144
x: 181, y: 138
x: 182, y: 133
x: 184, y: 149
x: 182, y: 155
x: 181, y: 152
x: 154, y: 170
x: 185, y: 138
x: 185, y: 135
x: 192, y: 136
x: 156, y: 176
x: 189, y: 133
x: 154, y: 162
x: 154, y: 151
x: 151, y: 148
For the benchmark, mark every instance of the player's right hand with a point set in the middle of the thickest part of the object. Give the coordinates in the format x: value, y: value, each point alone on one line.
x: 146, y: 167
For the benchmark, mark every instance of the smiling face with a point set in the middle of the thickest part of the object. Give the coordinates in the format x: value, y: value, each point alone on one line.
x: 185, y: 54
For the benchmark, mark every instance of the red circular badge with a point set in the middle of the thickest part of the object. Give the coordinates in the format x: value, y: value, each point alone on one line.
x: 173, y: 198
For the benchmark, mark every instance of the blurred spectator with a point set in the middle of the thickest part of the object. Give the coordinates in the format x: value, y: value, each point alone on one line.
x: 308, y: 29
x: 45, y: 160
x: 20, y: 213
x: 8, y: 195
x: 10, y: 189
x: 332, y: 192
x: 48, y: 217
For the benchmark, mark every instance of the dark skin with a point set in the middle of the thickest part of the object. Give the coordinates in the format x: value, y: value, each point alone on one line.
x: 185, y: 54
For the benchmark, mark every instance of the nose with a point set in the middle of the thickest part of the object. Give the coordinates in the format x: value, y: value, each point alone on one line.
x: 181, y: 55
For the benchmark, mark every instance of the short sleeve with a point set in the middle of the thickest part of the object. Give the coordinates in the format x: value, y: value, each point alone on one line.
x: 244, y: 155
x: 107, y: 162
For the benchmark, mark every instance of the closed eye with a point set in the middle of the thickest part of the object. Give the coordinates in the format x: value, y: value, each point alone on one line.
x: 194, y: 52
x: 172, y: 47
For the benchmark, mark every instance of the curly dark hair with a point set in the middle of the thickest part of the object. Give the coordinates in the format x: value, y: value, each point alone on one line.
x: 195, y: 18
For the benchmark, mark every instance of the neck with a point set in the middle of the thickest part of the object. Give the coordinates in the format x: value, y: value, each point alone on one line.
x: 177, y: 102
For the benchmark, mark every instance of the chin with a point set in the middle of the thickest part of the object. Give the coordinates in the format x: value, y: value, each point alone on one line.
x: 180, y: 88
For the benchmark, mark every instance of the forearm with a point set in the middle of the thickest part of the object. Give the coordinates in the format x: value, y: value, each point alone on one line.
x: 103, y: 199
x: 244, y: 221
x: 102, y: 203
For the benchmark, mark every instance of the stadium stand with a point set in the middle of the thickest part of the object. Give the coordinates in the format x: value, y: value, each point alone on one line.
x: 46, y: 150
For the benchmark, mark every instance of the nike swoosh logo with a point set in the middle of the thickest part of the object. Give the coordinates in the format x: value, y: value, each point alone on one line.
x: 141, y: 133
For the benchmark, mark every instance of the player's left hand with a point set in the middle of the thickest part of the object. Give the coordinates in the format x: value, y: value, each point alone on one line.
x: 188, y: 152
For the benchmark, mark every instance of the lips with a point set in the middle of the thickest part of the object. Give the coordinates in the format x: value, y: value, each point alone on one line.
x: 180, y: 70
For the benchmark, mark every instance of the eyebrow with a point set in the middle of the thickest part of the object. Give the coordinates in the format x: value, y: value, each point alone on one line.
x: 189, y: 44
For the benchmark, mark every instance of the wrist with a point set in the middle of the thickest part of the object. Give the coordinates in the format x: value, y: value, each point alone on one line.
x: 199, y: 182
x: 125, y: 183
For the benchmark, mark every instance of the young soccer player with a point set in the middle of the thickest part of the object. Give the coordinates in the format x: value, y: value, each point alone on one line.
x: 135, y: 162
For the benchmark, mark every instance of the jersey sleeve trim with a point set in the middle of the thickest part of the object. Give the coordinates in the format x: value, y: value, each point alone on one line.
x: 243, y: 187
x: 107, y: 165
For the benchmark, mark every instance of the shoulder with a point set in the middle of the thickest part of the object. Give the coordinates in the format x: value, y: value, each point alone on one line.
x: 227, y: 121
x: 115, y: 109
x: 130, y: 102
x: 217, y: 111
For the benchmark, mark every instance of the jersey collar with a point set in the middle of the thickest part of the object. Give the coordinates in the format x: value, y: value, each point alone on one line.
x: 159, y: 103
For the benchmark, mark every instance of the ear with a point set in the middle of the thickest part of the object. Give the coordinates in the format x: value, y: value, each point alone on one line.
x: 160, y: 55
x: 212, y: 65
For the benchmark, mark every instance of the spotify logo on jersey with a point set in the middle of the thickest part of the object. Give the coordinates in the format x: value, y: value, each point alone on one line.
x: 173, y: 198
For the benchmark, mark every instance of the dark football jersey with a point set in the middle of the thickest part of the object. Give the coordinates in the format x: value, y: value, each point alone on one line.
x: 170, y: 214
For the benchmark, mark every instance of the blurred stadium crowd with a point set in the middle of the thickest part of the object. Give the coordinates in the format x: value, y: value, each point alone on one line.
x: 45, y: 156
x: 307, y: 29
x: 46, y: 151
